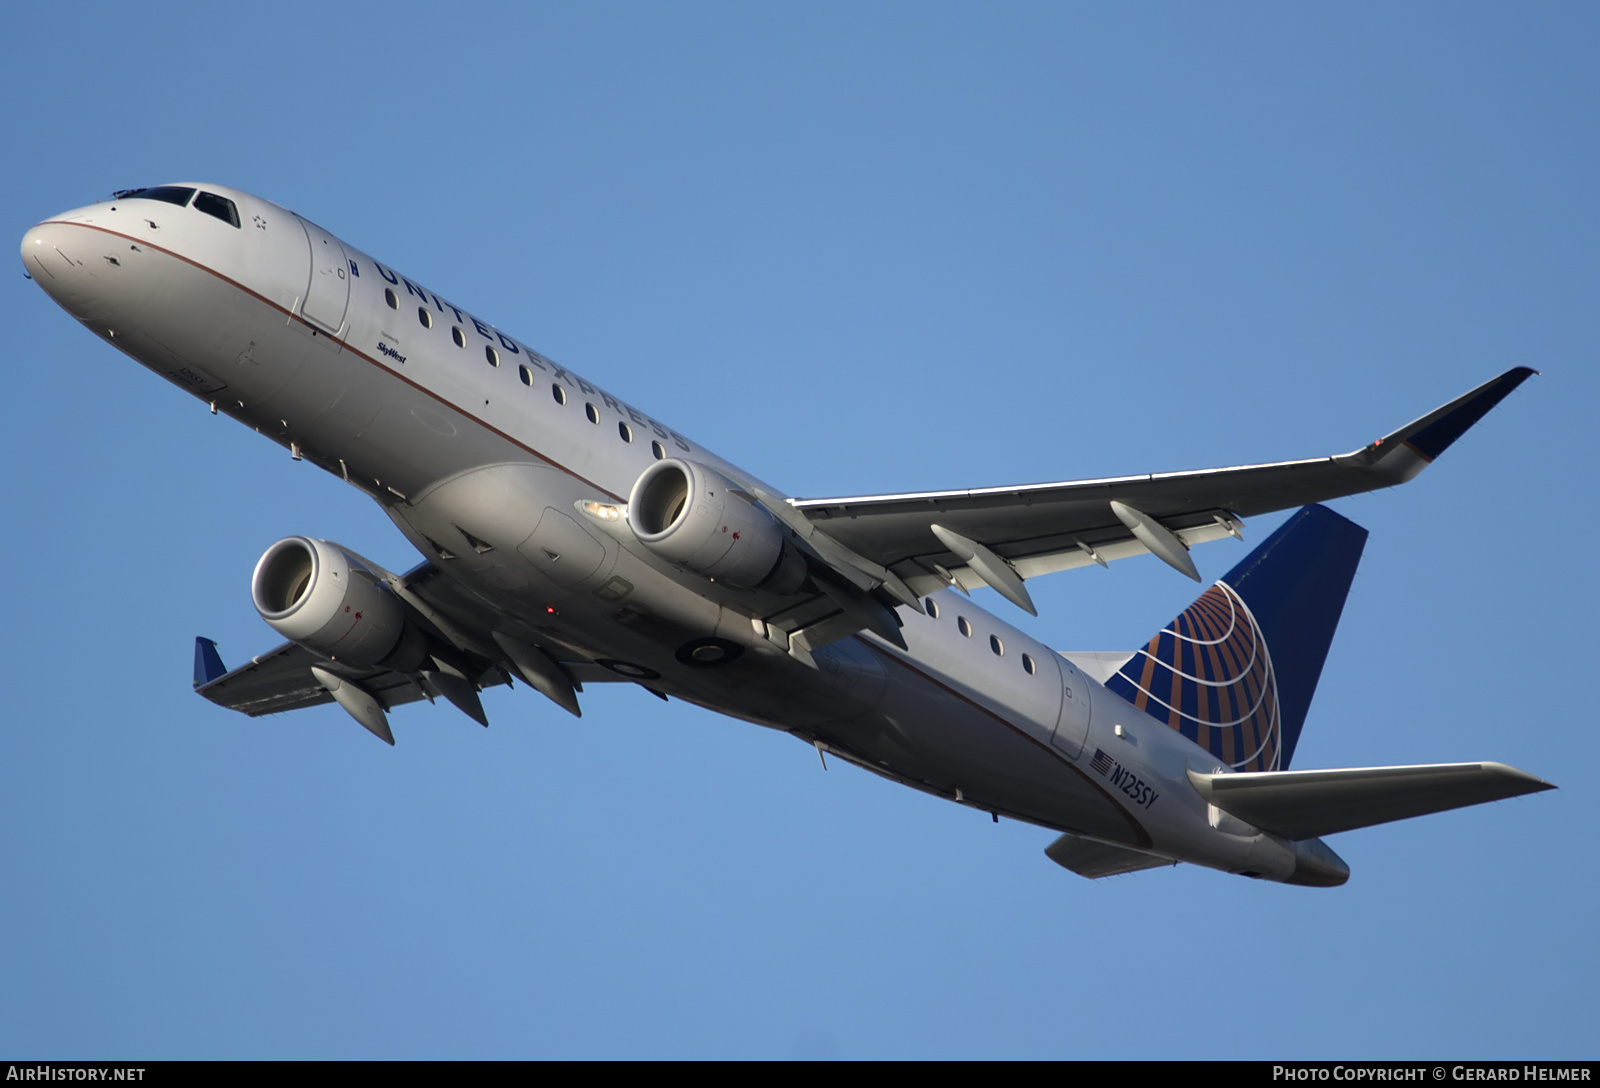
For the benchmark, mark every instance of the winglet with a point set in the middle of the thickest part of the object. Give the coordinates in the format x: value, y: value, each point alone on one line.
x: 207, y: 662
x: 1407, y: 451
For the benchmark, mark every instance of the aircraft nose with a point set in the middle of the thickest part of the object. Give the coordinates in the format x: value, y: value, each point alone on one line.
x: 57, y: 256
x: 46, y: 254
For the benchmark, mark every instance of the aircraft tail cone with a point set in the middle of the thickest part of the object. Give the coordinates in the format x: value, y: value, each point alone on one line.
x: 1317, y: 866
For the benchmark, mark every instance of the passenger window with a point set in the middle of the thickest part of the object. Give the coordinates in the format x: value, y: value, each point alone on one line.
x: 660, y: 451
x: 933, y: 609
x: 997, y: 646
x: 527, y: 376
x: 963, y: 626
x: 219, y: 206
x: 492, y: 355
x: 389, y: 297
x: 625, y: 431
x: 1027, y: 664
x: 425, y: 317
x: 558, y: 393
x: 592, y: 412
x: 457, y: 336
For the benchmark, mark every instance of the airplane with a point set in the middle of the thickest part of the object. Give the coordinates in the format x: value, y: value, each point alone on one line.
x: 570, y: 539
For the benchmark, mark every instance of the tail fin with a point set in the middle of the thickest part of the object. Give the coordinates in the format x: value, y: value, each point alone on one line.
x: 1235, y: 672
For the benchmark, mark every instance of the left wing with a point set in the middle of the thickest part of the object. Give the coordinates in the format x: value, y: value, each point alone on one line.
x: 281, y: 679
x: 471, y: 647
x: 999, y: 536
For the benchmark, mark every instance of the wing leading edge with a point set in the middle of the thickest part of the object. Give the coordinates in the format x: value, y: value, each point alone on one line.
x: 1042, y: 528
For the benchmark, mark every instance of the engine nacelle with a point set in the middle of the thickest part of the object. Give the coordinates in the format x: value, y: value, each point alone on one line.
x: 690, y: 516
x: 314, y: 593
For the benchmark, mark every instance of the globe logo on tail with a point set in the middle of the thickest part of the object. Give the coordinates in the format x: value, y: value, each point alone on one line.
x: 1208, y: 674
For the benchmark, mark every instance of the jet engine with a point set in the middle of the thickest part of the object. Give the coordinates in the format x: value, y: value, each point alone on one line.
x: 315, y: 593
x: 695, y: 518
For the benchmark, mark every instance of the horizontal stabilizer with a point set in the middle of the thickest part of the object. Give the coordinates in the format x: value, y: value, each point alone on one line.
x: 1303, y: 804
x: 1095, y: 859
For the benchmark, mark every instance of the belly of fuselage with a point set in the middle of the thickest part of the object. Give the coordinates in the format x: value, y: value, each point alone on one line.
x: 930, y: 732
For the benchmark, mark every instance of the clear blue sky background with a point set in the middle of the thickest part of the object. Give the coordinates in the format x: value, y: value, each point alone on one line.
x: 856, y: 248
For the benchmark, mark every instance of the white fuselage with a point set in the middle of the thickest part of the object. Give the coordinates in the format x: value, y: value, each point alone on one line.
x: 463, y: 433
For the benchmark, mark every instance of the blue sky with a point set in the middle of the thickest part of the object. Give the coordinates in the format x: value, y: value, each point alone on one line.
x: 855, y: 248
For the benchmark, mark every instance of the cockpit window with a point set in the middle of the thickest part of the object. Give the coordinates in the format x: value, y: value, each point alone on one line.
x: 219, y: 206
x: 172, y: 194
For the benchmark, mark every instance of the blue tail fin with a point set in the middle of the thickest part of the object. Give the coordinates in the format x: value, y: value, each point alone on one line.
x: 1236, y: 671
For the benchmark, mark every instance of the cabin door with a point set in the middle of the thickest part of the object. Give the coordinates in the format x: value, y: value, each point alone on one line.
x: 328, y: 293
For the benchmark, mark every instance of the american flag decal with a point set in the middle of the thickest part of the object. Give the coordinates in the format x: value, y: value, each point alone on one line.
x: 1101, y: 762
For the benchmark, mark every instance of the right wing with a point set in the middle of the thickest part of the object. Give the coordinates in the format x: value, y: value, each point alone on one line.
x: 1001, y: 535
